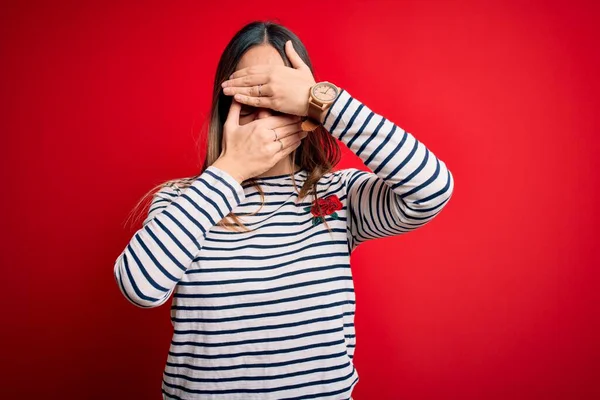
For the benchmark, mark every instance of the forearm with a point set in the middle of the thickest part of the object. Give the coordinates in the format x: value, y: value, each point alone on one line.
x: 409, y: 185
x: 159, y: 253
x: 396, y: 156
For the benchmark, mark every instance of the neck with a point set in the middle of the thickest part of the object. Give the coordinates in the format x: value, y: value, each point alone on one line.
x: 283, y: 167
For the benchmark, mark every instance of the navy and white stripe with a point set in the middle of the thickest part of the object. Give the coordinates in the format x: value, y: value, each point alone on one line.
x: 409, y: 185
x: 269, y: 314
x: 161, y: 252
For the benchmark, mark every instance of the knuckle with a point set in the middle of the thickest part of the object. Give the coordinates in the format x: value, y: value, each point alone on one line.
x: 267, y: 150
x: 276, y: 103
x: 267, y: 135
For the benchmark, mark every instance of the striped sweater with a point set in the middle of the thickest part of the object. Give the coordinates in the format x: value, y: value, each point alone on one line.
x: 269, y: 314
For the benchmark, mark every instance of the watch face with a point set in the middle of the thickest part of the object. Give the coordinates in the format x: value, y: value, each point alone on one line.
x: 325, y: 92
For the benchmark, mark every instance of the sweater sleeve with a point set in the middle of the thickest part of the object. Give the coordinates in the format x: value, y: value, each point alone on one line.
x: 409, y: 185
x: 161, y: 251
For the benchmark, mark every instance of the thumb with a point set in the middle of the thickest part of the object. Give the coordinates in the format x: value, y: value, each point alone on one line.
x: 233, y: 116
x: 293, y: 56
x: 232, y: 121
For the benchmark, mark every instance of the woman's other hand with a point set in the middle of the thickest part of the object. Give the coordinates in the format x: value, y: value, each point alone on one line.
x: 282, y: 88
x: 251, y: 149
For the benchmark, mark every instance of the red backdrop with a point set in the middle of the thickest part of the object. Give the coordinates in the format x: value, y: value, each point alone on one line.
x: 497, y: 298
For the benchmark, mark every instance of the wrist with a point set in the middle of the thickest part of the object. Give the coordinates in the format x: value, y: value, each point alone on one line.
x: 323, y: 114
x: 307, y: 104
x: 318, y: 116
x: 226, y: 165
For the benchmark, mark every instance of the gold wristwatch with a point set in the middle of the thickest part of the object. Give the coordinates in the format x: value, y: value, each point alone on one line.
x: 321, y: 96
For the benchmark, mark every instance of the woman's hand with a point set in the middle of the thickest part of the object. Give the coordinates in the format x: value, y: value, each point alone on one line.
x: 282, y: 88
x: 251, y: 149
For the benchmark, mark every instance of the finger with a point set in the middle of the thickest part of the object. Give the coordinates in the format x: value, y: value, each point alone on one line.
x: 233, y: 116
x: 246, y: 80
x: 287, y: 130
x: 252, y: 91
x: 276, y: 121
x: 294, y: 57
x: 286, y: 151
x: 260, y: 69
x: 264, y: 102
x: 280, y: 155
x: 288, y: 141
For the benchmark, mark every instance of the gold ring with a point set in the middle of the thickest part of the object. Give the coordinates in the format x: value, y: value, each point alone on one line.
x: 275, y: 134
x: 281, y: 143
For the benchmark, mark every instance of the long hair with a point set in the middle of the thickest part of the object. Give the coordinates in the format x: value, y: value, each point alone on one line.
x: 318, y: 153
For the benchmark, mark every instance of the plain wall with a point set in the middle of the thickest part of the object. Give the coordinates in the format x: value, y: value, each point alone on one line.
x: 496, y: 298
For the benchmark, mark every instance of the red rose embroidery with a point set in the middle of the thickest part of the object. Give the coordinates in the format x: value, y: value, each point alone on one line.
x: 325, y: 206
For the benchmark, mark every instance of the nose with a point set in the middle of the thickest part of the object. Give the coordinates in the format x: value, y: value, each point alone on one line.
x: 264, y: 113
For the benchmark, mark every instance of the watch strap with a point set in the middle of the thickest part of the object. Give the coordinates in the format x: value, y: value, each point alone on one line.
x: 309, y: 125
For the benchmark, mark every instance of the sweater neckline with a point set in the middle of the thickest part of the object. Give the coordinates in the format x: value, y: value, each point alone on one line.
x: 297, y: 174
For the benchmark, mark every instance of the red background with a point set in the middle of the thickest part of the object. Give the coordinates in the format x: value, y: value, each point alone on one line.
x: 497, y: 298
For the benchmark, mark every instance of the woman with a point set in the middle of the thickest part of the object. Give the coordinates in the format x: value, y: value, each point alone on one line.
x: 256, y: 248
